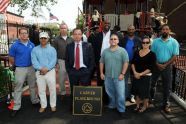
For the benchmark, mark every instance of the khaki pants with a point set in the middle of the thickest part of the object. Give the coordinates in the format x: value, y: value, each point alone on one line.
x: 23, y: 74
x: 49, y: 79
x: 63, y: 76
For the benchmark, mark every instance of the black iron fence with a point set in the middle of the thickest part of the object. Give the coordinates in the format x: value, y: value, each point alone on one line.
x: 179, y: 77
x: 9, y: 32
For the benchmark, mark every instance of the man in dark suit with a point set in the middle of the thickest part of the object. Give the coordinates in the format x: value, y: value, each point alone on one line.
x: 79, y: 60
x: 91, y: 39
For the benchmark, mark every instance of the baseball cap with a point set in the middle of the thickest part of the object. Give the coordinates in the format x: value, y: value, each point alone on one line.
x: 43, y: 34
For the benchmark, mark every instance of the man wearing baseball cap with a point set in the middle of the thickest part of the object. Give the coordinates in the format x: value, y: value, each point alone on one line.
x: 44, y: 58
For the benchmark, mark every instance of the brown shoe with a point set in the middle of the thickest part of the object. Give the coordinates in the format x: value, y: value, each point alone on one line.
x: 167, y: 109
x: 41, y: 110
x: 53, y: 109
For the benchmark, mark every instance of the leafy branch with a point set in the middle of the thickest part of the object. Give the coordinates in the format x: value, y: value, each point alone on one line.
x: 35, y: 5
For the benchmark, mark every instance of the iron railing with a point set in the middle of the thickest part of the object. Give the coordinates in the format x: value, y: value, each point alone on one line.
x: 179, y: 77
x: 9, y: 32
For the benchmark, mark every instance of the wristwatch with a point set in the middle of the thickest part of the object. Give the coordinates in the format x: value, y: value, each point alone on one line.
x: 123, y: 74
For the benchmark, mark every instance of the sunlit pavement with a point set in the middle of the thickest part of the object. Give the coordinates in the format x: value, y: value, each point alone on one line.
x: 30, y: 115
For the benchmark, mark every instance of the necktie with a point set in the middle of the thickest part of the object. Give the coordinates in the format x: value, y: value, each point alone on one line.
x: 77, y: 58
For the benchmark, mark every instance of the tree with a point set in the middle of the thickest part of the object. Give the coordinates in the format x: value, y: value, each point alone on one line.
x: 54, y: 27
x: 80, y: 21
x: 35, y: 5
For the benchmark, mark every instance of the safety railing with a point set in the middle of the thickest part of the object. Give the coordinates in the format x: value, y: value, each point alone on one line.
x: 179, y: 80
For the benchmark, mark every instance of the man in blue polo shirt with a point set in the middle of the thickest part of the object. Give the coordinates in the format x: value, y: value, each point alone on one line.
x: 20, y: 57
x: 132, y: 44
x: 166, y: 49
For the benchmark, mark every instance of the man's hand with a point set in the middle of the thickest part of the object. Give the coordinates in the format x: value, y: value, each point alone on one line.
x: 161, y: 66
x: 43, y: 71
x: 102, y: 76
x: 121, y: 77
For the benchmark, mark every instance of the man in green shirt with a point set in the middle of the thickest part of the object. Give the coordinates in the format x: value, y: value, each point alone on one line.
x: 115, y: 60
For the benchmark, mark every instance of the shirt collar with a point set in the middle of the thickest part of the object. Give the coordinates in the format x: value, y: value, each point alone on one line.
x: 166, y: 40
x: 46, y: 46
x: 19, y: 41
x: 64, y: 37
x: 80, y: 43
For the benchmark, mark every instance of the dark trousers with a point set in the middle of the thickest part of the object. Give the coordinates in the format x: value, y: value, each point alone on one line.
x: 137, y: 23
x: 79, y: 77
x: 166, y: 75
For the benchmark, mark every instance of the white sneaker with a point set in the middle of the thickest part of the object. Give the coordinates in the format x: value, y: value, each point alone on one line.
x: 132, y: 100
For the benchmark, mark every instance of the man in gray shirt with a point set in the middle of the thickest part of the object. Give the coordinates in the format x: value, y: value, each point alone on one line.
x: 60, y: 44
x: 115, y: 61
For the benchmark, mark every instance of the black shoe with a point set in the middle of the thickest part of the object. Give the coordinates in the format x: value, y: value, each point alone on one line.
x: 37, y: 105
x: 14, y: 112
x: 124, y: 115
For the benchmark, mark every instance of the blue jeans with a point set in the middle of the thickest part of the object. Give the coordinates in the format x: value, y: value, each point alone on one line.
x: 116, y: 92
x: 127, y: 87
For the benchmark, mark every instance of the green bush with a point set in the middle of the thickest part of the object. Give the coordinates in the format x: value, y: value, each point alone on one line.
x: 6, y: 76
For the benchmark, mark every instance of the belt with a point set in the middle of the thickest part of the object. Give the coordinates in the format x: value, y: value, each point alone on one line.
x: 162, y: 62
x: 80, y: 68
x: 61, y: 59
x: 23, y: 66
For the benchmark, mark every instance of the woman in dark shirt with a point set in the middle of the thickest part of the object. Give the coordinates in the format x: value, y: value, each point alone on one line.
x: 142, y: 65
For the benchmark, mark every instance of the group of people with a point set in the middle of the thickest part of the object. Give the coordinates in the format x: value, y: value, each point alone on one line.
x: 154, y: 20
x: 115, y: 58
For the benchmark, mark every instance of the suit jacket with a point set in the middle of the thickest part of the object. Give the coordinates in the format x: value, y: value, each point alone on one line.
x: 97, y: 45
x: 88, y: 56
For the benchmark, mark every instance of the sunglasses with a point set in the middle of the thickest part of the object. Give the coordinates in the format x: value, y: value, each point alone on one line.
x: 24, y: 33
x: 43, y: 38
x: 145, y: 42
x: 113, y: 39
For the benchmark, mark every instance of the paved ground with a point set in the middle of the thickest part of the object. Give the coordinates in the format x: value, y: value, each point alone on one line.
x: 30, y: 115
